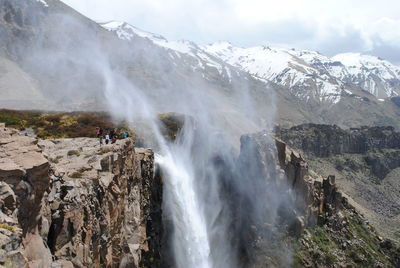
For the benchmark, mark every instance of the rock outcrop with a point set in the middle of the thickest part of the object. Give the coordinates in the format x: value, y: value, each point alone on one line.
x: 72, y: 203
x: 24, y: 176
x: 311, y: 197
x: 289, y: 199
x: 327, y: 140
x: 365, y: 161
x: 311, y: 212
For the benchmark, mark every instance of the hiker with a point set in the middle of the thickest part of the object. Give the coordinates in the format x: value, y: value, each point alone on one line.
x: 99, y: 132
x: 114, y: 138
x: 125, y: 135
x: 112, y: 133
x: 107, y: 139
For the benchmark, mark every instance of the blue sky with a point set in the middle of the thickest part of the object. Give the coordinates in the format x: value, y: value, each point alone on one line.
x: 331, y: 27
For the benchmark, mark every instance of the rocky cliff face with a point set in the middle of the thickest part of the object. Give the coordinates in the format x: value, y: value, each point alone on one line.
x: 290, y: 199
x: 315, y: 224
x: 310, y: 196
x: 72, y: 203
x: 327, y: 140
x: 365, y: 162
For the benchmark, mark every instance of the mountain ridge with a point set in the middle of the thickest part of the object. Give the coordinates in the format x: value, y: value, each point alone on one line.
x: 36, y: 33
x: 332, y: 76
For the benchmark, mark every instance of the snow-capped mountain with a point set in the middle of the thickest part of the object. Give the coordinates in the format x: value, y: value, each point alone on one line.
x: 302, y: 70
x: 379, y: 77
x: 307, y: 86
x: 200, y: 59
x: 307, y: 74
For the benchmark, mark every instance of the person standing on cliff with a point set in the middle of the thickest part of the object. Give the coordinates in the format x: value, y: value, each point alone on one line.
x: 114, y: 138
x: 99, y: 132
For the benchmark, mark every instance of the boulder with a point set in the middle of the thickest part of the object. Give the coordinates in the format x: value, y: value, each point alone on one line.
x: 8, y: 200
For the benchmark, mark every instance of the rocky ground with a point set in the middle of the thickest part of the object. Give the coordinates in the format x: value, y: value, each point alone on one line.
x: 72, y: 203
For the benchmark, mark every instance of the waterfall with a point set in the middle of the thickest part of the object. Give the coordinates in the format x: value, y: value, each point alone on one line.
x: 181, y: 202
x: 191, y: 201
x: 195, y: 202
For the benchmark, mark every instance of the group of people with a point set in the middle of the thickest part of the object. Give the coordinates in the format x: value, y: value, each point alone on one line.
x: 110, y: 135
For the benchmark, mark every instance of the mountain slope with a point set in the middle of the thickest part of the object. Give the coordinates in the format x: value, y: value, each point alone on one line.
x: 309, y: 87
x: 301, y: 70
x: 377, y: 76
x: 70, y: 60
x: 176, y: 49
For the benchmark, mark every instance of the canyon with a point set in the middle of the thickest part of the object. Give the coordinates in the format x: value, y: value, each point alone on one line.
x: 72, y: 203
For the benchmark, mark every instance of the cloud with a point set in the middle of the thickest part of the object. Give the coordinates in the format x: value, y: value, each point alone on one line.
x: 386, y: 51
x: 330, y: 27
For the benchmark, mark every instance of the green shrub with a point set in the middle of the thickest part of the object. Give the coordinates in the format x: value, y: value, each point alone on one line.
x: 60, y: 125
x: 73, y: 152
x: 7, y: 227
x: 76, y: 175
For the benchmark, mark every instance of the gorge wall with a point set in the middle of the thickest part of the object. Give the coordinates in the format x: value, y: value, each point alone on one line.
x: 366, y: 164
x: 72, y: 203
x: 326, y: 140
x: 312, y: 221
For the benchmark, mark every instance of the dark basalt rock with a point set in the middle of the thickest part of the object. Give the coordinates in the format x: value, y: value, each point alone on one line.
x: 327, y: 140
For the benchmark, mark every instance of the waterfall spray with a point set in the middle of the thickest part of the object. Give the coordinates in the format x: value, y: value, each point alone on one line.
x: 194, y: 201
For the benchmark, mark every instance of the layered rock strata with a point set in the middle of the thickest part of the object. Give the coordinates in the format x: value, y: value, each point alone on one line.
x: 327, y: 140
x: 72, y: 203
x: 310, y: 222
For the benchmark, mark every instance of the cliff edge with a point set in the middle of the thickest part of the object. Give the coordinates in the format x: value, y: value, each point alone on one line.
x: 72, y: 203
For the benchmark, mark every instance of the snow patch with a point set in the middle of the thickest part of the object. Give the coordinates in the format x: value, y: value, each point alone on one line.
x: 309, y: 74
x: 43, y: 2
x: 301, y: 68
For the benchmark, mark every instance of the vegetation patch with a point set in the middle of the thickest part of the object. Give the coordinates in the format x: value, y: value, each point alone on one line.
x: 73, y: 152
x: 55, y: 160
x: 7, y: 227
x: 172, y: 123
x: 54, y: 125
x: 76, y: 175
x: 356, y: 244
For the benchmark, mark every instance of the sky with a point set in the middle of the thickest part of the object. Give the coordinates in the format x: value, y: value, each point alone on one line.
x: 330, y: 27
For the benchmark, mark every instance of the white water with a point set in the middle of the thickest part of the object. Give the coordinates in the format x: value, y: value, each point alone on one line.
x: 190, y: 240
x: 183, y: 202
